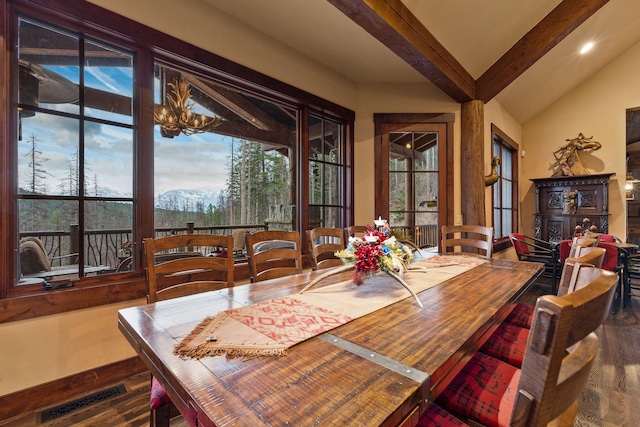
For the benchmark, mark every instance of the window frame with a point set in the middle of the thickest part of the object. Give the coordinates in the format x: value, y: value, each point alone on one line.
x: 389, y: 122
x: 512, y: 146
x: 149, y: 46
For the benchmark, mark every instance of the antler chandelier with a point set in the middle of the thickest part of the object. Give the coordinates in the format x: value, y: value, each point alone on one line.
x: 177, y: 114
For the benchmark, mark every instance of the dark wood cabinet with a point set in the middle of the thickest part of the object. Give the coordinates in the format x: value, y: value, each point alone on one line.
x: 557, y: 215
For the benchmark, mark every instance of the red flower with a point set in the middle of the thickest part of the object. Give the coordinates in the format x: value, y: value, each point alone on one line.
x: 367, y: 258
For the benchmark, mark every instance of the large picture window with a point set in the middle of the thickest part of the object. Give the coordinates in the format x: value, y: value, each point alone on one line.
x: 74, y: 153
x: 93, y: 169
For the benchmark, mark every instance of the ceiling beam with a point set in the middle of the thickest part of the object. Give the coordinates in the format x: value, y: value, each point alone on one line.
x: 396, y: 27
x: 553, y: 28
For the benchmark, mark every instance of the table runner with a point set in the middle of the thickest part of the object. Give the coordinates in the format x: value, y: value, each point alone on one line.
x: 270, y: 327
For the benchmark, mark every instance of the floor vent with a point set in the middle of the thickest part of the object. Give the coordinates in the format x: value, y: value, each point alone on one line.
x: 66, y: 408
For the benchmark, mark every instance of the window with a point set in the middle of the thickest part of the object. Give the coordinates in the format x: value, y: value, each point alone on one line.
x: 505, y: 190
x: 411, y: 163
x: 74, y: 151
x: 325, y: 173
x: 243, y: 173
x: 90, y: 172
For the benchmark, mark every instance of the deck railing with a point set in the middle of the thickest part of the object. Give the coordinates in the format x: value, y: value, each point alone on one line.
x: 104, y: 247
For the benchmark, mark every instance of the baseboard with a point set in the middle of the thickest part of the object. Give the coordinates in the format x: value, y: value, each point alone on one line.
x: 66, y: 388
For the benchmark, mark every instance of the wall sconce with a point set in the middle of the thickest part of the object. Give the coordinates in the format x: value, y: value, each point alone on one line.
x: 177, y: 115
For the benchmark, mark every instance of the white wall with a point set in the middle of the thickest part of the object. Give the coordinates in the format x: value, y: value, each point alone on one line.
x: 596, y: 108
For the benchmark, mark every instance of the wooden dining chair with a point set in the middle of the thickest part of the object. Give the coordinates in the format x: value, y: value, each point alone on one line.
x: 354, y: 231
x: 582, y: 242
x: 174, y: 270
x: 273, y: 253
x: 473, y: 239
x: 557, y: 363
x: 508, y: 342
x: 536, y: 250
x: 323, y: 243
x: 522, y: 314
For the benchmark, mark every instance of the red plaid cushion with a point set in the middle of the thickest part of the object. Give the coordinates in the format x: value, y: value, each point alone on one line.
x: 435, y: 416
x: 522, y: 315
x: 485, y: 391
x: 508, y: 343
x: 159, y: 397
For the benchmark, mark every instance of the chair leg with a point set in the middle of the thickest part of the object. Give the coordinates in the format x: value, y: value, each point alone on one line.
x: 161, y: 416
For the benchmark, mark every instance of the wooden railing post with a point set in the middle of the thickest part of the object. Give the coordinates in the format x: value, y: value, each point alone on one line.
x: 74, y: 239
x: 190, y: 229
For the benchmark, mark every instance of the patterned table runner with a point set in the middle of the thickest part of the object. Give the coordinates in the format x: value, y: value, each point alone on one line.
x: 269, y: 328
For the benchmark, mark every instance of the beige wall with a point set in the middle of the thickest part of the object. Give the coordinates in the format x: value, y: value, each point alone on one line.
x: 595, y: 108
x: 391, y: 98
x: 36, y: 351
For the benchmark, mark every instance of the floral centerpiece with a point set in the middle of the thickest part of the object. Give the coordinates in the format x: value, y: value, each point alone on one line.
x: 377, y: 250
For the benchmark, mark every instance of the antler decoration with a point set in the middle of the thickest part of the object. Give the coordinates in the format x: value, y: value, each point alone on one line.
x: 177, y: 114
x: 492, y: 178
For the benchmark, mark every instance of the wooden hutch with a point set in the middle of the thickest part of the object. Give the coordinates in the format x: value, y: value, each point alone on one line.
x: 555, y: 220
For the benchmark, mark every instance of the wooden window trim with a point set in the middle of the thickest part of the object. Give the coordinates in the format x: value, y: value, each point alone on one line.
x: 495, y: 130
x: 29, y: 301
x: 445, y: 194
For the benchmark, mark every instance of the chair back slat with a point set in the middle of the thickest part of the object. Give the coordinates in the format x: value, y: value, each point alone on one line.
x: 273, y: 253
x: 474, y: 239
x: 574, y: 272
x: 354, y: 231
x: 323, y: 243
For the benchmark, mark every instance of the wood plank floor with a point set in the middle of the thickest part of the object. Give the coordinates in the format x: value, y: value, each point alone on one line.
x: 611, y: 399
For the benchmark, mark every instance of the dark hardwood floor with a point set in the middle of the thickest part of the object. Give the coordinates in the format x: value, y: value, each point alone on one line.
x: 611, y: 399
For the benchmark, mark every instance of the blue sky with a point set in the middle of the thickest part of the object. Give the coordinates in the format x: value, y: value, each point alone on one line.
x: 184, y: 162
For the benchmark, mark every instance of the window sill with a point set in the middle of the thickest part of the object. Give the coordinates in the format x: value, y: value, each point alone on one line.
x: 29, y: 301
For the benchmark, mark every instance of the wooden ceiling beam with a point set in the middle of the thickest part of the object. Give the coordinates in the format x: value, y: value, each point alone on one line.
x: 396, y: 27
x: 553, y: 28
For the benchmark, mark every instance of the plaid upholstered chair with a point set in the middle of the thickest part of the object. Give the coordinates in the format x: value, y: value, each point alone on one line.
x: 509, y: 341
x: 557, y: 363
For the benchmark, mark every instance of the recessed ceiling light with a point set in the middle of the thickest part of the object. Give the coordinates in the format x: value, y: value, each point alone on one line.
x: 586, y: 48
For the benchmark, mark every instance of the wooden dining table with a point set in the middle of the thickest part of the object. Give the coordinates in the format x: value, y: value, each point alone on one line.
x: 380, y: 369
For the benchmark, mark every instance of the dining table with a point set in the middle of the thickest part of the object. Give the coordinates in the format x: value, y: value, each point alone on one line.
x: 380, y: 369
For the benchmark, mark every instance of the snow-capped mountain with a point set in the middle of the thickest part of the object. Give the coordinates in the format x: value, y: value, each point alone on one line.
x: 178, y: 199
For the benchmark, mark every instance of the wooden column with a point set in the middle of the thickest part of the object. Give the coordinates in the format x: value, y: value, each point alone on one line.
x: 471, y: 163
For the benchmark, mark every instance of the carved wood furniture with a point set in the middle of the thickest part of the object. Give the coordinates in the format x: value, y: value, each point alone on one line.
x: 555, y: 221
x: 381, y: 360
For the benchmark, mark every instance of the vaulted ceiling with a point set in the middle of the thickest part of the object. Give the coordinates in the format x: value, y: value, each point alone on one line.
x: 523, y: 53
